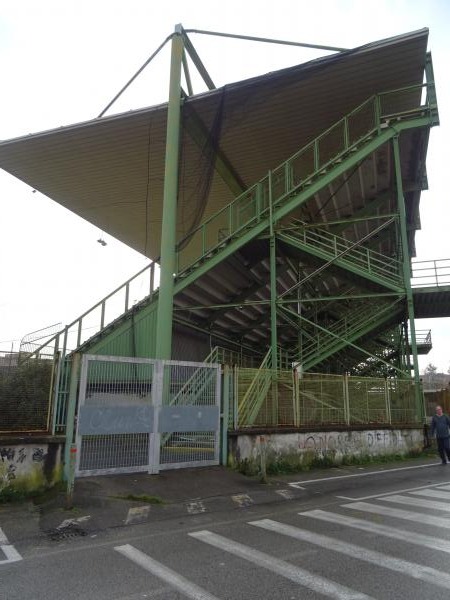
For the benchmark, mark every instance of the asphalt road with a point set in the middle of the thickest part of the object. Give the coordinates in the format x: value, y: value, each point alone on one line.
x: 382, y: 535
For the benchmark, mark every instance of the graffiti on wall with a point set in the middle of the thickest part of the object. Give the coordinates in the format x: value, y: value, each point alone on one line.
x: 357, y: 441
x: 14, y: 459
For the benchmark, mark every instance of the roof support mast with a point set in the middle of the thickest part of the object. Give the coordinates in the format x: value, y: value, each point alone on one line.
x: 169, y: 219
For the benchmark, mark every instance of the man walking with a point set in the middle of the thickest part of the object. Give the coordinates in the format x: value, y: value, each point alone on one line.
x: 440, y: 424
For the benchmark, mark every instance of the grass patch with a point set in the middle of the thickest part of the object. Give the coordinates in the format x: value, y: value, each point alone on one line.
x: 298, y: 463
x: 140, y: 498
x: 39, y: 496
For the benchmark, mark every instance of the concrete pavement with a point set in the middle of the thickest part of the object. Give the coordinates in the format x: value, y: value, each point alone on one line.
x: 110, y: 501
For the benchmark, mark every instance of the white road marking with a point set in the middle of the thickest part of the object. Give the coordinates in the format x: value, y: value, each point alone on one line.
x: 178, y: 582
x: 383, y: 471
x: 433, y: 504
x: 287, y: 494
x: 3, y: 538
x: 390, y: 532
x: 373, y: 557
x: 433, y: 494
x: 195, y: 507
x: 242, y: 500
x: 422, y: 487
x: 68, y: 522
x: 8, y: 550
x: 399, y: 513
x: 280, y: 567
x: 137, y: 514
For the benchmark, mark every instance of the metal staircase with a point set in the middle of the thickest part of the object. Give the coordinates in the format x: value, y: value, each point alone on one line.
x: 351, y: 256
x: 342, y: 333
x: 249, y: 404
x: 274, y: 197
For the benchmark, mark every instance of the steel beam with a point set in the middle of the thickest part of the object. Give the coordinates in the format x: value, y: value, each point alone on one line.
x: 407, y: 272
x: 168, y: 230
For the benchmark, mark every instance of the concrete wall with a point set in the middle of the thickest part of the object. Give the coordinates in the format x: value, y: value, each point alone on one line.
x: 326, y: 447
x: 29, y: 463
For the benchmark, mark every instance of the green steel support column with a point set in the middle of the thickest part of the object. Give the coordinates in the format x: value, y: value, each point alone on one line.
x: 273, y: 285
x: 168, y: 232
x: 227, y: 374
x: 273, y: 310
x: 407, y: 272
x: 70, y: 448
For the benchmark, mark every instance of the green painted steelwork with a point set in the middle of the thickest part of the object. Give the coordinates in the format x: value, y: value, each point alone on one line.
x: 201, y: 136
x: 251, y: 210
x: 69, y: 466
x: 197, y: 61
x: 273, y: 285
x: 344, y: 332
x: 363, y: 262
x: 407, y: 272
x: 255, y: 213
x: 163, y: 348
x: 252, y: 38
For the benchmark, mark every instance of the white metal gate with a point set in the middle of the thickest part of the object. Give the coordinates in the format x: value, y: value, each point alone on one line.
x: 138, y: 414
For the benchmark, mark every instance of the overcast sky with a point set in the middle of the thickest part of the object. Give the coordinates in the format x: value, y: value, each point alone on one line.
x: 62, y: 61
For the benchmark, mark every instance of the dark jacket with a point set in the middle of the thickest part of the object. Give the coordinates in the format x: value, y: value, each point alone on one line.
x: 440, y: 425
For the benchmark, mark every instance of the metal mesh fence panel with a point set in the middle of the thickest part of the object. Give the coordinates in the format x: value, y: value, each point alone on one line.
x: 115, y: 416
x: 189, y: 418
x: 367, y: 400
x: 25, y: 394
x: 402, y: 402
x: 114, y: 452
x: 321, y: 399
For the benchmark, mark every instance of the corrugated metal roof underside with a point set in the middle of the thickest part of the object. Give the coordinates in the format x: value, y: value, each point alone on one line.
x: 110, y: 171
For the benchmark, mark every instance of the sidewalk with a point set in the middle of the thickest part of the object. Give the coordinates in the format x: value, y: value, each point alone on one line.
x: 109, y: 501
x: 117, y: 500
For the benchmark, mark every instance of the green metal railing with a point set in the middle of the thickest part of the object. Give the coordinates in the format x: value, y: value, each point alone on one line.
x: 333, y: 247
x: 290, y: 178
x: 341, y: 332
x: 255, y: 395
x: 99, y: 316
x: 297, y: 172
x: 316, y: 399
x: 431, y: 273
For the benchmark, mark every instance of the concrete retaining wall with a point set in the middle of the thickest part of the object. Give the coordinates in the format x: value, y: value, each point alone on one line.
x: 29, y: 463
x: 326, y: 447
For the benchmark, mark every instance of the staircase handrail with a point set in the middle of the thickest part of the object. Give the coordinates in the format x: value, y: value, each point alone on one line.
x: 258, y: 201
x: 339, y: 247
x: 247, y: 405
x: 102, y: 303
x: 333, y: 335
x: 237, y: 213
x: 430, y: 273
x: 210, y: 359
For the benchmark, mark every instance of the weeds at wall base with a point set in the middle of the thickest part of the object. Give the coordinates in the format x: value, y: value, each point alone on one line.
x: 310, y: 461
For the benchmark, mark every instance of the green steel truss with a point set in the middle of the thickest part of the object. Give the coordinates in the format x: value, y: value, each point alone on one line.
x: 347, y: 330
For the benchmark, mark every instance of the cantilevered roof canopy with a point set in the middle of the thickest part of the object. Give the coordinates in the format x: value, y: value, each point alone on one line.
x: 110, y: 170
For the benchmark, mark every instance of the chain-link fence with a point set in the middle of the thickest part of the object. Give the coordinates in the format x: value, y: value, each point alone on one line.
x: 25, y: 394
x: 317, y: 399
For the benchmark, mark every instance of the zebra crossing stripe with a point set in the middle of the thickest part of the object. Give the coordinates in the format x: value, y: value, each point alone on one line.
x: 9, y: 551
x: 433, y: 494
x: 399, y: 513
x: 392, y: 563
x: 280, y: 567
x: 433, y: 504
x: 180, y: 583
x: 390, y: 532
